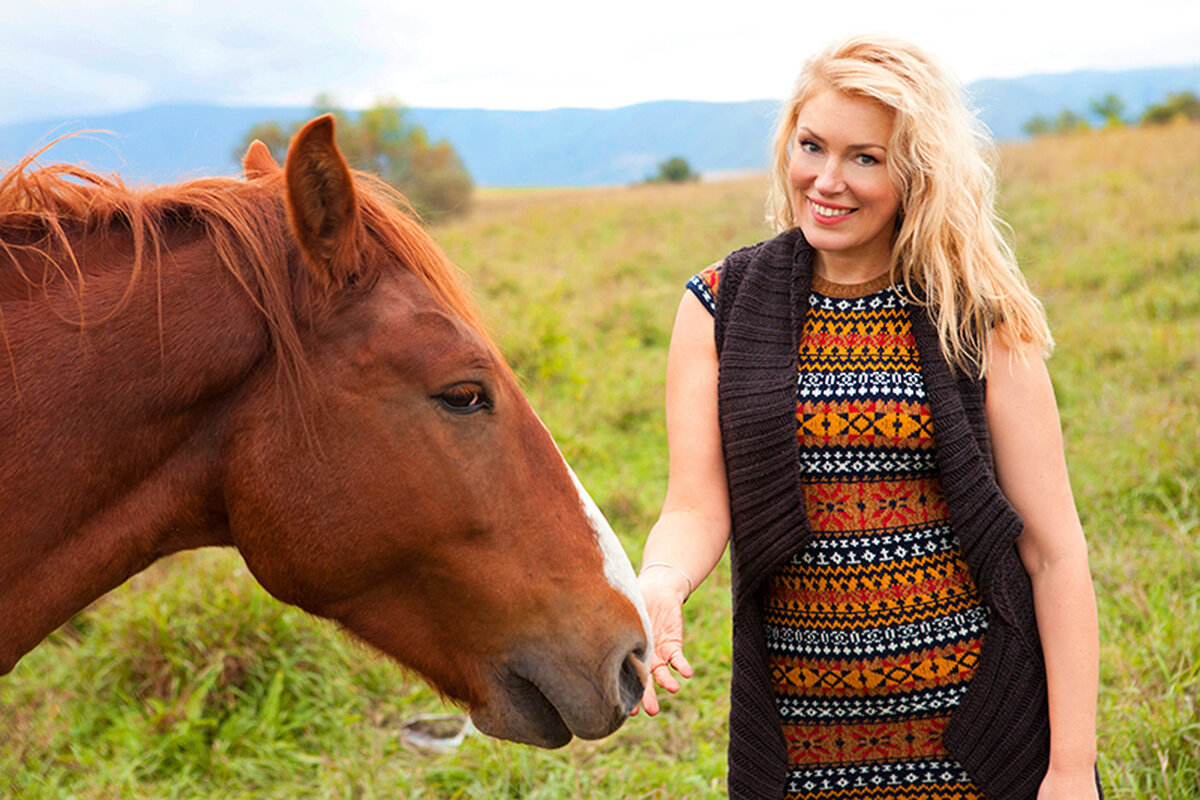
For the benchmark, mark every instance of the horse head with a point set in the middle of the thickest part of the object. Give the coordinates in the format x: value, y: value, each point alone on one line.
x: 421, y: 503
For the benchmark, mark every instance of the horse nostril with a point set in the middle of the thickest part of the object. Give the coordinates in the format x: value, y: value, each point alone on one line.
x: 630, y: 679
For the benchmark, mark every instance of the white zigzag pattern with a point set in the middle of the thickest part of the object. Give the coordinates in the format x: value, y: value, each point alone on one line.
x: 836, y: 461
x: 875, y: 775
x: 803, y: 709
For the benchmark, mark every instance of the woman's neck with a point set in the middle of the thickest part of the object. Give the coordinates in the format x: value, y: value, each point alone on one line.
x: 842, y: 268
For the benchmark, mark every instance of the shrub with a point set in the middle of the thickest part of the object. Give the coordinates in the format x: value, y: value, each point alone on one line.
x: 1178, y: 105
x: 380, y: 140
x: 674, y: 170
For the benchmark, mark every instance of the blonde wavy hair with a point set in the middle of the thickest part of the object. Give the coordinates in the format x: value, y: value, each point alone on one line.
x: 949, y: 243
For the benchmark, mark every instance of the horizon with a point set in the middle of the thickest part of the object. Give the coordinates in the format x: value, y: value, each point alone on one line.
x: 571, y: 146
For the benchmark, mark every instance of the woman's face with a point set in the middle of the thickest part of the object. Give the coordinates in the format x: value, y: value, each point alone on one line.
x: 842, y: 195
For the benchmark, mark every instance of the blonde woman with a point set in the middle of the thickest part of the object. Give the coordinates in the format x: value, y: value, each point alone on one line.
x: 860, y: 406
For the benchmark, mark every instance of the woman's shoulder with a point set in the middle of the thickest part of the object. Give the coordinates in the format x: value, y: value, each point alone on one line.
x: 706, y: 283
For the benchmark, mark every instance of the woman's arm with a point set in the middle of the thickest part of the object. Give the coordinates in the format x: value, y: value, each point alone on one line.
x: 1032, y: 472
x: 693, y: 528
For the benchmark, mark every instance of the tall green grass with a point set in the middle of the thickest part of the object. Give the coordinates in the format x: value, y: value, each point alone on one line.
x: 1109, y: 227
x: 191, y: 682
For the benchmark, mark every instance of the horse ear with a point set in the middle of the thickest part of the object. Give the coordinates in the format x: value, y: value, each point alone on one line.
x: 322, y: 204
x: 258, y: 161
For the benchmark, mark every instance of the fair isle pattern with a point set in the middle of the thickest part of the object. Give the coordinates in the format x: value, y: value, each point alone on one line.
x: 917, y: 778
x: 873, y: 631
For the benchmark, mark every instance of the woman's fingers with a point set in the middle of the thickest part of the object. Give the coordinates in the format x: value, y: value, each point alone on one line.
x: 680, y: 663
x: 666, y: 619
x: 662, y: 676
x: 649, y: 699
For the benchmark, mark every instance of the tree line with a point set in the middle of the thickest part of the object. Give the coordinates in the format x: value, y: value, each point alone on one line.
x: 382, y: 140
x: 1110, y: 111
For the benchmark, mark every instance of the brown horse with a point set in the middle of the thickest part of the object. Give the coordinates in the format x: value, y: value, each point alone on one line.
x: 289, y: 365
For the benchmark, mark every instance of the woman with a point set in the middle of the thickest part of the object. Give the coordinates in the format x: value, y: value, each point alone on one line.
x: 913, y: 611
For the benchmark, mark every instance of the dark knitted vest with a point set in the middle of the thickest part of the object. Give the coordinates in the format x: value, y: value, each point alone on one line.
x: 1000, y: 732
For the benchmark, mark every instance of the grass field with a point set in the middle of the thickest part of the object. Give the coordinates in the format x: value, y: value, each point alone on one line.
x: 191, y: 682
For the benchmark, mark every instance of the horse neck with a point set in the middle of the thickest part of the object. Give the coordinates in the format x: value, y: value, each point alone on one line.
x: 113, y: 427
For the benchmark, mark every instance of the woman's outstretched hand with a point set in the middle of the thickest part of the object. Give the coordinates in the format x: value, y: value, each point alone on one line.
x: 664, y: 592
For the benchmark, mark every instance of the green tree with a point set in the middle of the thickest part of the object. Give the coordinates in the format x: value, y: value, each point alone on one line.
x: 381, y: 140
x: 1037, y: 125
x: 270, y: 134
x: 441, y: 181
x: 1110, y: 109
x: 1178, y: 105
x: 674, y: 170
x: 1068, y: 121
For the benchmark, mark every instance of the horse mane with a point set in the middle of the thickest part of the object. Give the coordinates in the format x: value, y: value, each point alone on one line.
x: 42, y: 209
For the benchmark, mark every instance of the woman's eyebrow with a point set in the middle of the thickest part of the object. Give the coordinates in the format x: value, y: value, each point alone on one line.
x: 809, y: 133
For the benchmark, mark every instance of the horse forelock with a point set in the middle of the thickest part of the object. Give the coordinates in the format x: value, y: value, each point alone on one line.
x: 43, y: 209
x: 391, y: 222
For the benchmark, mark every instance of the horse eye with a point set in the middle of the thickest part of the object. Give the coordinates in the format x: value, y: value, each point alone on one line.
x: 465, y: 398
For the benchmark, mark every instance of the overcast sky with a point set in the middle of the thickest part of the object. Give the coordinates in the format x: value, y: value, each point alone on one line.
x: 64, y: 57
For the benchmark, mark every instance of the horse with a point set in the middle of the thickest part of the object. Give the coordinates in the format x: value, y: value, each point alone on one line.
x: 287, y: 364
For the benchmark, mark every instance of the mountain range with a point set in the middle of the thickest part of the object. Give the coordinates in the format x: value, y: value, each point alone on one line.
x: 559, y: 147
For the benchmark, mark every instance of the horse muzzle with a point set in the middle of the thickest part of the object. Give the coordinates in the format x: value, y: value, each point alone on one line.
x: 543, y: 700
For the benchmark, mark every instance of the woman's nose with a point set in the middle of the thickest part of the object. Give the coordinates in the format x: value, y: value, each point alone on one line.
x: 829, y: 178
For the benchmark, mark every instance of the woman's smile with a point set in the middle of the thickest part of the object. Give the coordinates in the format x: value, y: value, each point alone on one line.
x: 827, y: 214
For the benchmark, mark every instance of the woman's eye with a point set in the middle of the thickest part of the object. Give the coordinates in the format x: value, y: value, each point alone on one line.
x: 466, y: 398
x: 866, y: 160
x: 809, y: 146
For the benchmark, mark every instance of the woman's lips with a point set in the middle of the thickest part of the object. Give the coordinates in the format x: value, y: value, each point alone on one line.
x: 829, y: 215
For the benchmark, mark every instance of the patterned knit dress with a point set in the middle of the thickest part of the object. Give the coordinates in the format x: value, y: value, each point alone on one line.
x: 873, y: 630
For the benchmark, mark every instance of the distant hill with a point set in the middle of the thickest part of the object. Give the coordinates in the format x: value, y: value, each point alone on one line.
x: 560, y: 147
x: 1006, y: 104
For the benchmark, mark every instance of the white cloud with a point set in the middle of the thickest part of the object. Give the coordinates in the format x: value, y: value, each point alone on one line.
x: 77, y: 57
